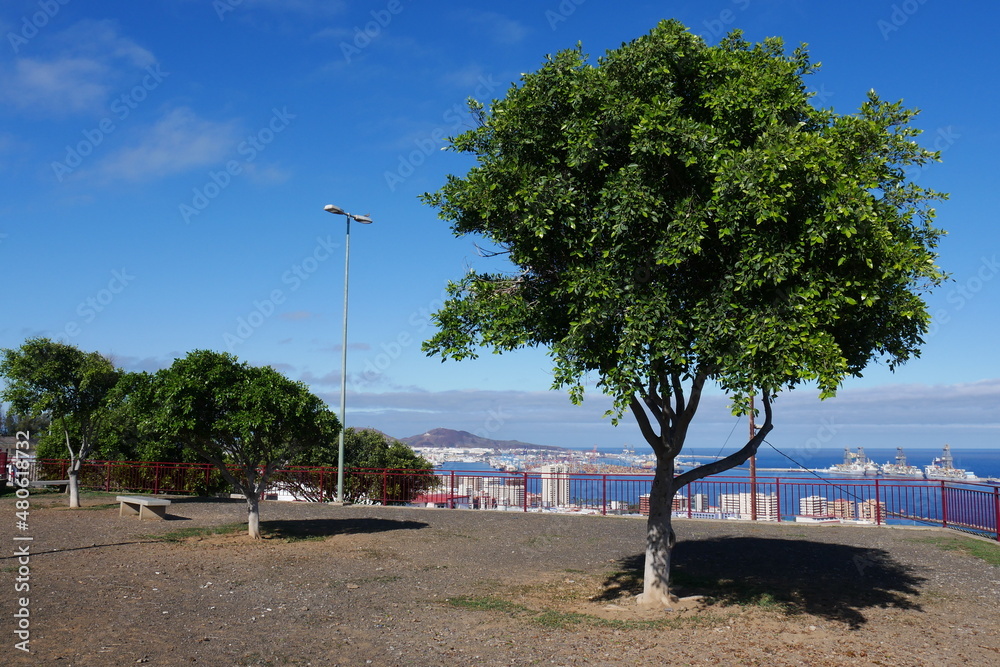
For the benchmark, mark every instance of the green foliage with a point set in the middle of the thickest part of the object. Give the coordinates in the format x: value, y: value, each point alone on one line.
x: 12, y: 422
x: 231, y: 413
x: 364, y: 450
x: 59, y: 381
x: 681, y: 211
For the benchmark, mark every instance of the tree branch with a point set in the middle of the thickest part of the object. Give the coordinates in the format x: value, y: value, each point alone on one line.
x: 652, y: 401
x: 651, y: 436
x: 675, y: 381
x: 732, y: 460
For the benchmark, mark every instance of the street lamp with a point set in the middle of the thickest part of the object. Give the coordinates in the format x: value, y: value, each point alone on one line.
x: 336, y: 210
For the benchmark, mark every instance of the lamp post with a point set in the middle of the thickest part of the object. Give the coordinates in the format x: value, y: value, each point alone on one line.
x: 336, y: 210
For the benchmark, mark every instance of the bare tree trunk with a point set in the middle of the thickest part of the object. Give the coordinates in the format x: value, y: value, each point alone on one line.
x: 75, y: 462
x: 659, y: 539
x: 253, y: 513
x: 74, y: 482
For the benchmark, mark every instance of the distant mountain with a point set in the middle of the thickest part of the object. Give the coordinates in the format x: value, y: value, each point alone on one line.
x: 446, y: 437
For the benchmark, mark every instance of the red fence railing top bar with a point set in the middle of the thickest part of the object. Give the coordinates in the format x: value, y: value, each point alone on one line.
x: 961, y: 505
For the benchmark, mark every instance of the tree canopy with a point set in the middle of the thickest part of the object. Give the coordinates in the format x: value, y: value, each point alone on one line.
x: 69, y: 386
x: 248, y: 421
x: 678, y: 213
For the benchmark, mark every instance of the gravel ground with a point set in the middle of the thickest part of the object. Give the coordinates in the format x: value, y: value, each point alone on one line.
x: 397, y: 586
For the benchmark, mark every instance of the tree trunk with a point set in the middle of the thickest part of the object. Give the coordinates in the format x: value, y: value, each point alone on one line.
x: 253, y: 514
x: 74, y: 482
x: 659, y: 539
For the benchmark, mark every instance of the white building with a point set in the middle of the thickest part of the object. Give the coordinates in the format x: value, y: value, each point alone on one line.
x: 506, y: 492
x: 555, y: 485
x: 813, y: 506
x: 740, y: 505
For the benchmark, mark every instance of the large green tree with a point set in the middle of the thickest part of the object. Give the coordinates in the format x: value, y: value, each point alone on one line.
x: 69, y: 386
x: 248, y: 421
x: 678, y: 213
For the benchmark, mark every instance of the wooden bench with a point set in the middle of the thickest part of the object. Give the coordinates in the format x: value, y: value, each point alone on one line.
x: 144, y: 506
x: 59, y: 484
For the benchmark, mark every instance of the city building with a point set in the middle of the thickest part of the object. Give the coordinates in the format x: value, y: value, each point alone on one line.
x: 504, y: 492
x: 555, y: 485
x: 872, y: 511
x: 841, y: 508
x: 740, y: 505
x: 813, y: 506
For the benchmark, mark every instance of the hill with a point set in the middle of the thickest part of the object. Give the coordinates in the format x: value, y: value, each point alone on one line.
x: 446, y: 437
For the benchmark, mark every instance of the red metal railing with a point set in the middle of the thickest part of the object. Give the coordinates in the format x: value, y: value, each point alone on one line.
x: 964, y: 506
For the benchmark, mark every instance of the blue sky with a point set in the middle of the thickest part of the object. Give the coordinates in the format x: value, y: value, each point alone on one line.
x: 166, y: 163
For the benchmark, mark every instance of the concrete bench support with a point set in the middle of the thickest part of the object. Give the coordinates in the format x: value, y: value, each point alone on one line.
x: 145, y: 507
x: 60, y: 485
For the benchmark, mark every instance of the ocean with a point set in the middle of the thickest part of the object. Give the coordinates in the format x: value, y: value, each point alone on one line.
x: 983, y: 462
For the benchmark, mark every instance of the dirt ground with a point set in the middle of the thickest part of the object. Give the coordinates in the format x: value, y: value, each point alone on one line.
x: 365, y: 585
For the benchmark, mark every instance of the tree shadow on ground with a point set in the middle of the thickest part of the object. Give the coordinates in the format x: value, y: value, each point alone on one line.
x: 832, y: 581
x: 301, y: 529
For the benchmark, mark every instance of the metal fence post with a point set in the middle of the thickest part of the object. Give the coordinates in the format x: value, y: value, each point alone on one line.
x: 777, y: 497
x: 878, y: 504
x: 944, y: 506
x: 385, y: 487
x: 451, y: 492
x: 604, y: 495
x: 525, y: 501
x: 996, y: 511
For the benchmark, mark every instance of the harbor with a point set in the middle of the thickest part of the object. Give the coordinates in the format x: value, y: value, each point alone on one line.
x: 854, y: 463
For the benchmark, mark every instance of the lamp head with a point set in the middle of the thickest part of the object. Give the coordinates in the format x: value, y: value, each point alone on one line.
x: 330, y: 208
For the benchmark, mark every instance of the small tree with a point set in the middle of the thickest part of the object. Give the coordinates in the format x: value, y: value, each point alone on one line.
x: 248, y: 421
x: 67, y: 385
x: 680, y: 213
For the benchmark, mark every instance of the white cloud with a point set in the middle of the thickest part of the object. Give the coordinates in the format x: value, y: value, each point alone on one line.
x: 966, y: 415
x: 179, y: 141
x: 317, y: 8
x: 86, y: 62
x: 266, y: 174
x: 499, y: 28
x: 63, y: 86
x: 100, y: 40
